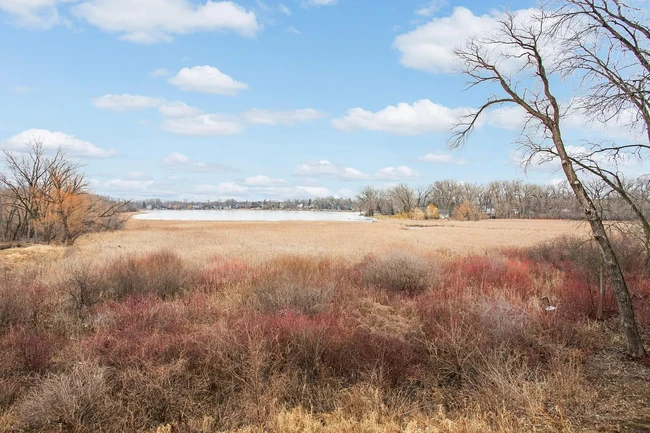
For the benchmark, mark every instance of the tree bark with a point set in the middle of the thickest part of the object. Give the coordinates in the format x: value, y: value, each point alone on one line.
x: 628, y: 321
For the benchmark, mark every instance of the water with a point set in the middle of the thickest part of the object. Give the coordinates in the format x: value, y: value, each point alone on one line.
x: 249, y: 215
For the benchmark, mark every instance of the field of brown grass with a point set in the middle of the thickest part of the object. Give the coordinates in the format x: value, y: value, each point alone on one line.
x: 351, y: 241
x: 200, y: 327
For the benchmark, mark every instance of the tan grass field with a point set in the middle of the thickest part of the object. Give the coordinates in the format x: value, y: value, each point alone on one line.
x: 390, y: 326
x: 348, y: 240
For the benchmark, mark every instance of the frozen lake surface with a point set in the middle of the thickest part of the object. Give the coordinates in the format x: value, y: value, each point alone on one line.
x: 249, y: 215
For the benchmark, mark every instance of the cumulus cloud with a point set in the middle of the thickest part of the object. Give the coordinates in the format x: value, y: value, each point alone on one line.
x: 421, y: 117
x: 315, y: 191
x: 346, y: 192
x: 222, y: 189
x: 38, y: 14
x: 178, y: 109
x: 266, y: 117
x: 430, y: 47
x: 203, y: 125
x: 179, y: 162
x: 207, y: 79
x: 262, y: 180
x: 441, y: 158
x: 126, y: 102
x: 151, y: 21
x: 326, y: 169
x: 52, y: 141
x: 397, y: 173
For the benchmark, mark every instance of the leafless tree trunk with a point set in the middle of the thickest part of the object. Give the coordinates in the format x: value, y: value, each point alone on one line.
x: 485, y: 61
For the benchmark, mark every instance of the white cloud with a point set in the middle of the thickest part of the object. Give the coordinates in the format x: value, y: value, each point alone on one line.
x: 54, y: 140
x: 179, y: 162
x: 262, y: 180
x: 266, y: 117
x: 318, y: 3
x: 222, y: 189
x: 430, y: 47
x: 178, y: 109
x: 431, y: 8
x: 23, y: 90
x: 328, y: 170
x: 347, y: 193
x: 292, y: 29
x: 38, y: 14
x: 203, y: 125
x: 151, y: 21
x: 125, y: 185
x: 421, y: 117
x: 285, y: 10
x: 207, y: 79
x: 126, y: 102
x: 441, y: 158
x: 160, y: 72
x: 315, y: 191
x: 397, y: 173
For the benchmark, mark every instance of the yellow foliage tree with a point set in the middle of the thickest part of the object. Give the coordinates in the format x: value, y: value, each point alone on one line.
x: 464, y: 212
x: 432, y: 212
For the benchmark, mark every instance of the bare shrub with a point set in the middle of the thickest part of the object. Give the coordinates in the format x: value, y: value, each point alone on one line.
x: 77, y: 400
x: 30, y: 348
x: 287, y: 295
x: 300, y: 284
x: 398, y: 272
x: 84, y: 288
x: 162, y: 273
x: 14, y: 307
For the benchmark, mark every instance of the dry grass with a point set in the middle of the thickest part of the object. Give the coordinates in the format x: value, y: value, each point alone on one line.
x: 259, y: 241
x: 314, y: 327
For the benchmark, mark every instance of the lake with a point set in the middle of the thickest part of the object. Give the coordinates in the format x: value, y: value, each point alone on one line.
x: 249, y: 215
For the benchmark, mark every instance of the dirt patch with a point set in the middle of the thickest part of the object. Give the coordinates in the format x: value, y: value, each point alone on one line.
x: 24, y: 255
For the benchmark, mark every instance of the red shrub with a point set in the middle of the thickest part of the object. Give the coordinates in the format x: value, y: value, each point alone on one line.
x: 223, y: 272
x: 488, y: 272
x: 139, y: 330
x: 28, y: 348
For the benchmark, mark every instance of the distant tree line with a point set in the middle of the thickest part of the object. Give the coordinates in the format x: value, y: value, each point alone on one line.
x: 322, y: 203
x: 47, y: 198
x: 505, y: 199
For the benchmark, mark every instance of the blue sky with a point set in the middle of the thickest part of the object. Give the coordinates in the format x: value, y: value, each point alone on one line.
x: 250, y: 99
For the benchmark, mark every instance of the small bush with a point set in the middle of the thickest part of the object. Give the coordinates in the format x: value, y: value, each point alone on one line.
x: 77, y: 400
x: 30, y: 349
x: 288, y: 295
x: 161, y: 273
x: 398, y: 272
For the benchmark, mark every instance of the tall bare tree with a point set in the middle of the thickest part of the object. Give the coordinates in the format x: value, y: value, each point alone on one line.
x: 368, y: 198
x: 515, y: 60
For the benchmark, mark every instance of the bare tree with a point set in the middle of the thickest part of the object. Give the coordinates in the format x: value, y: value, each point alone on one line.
x: 404, y: 197
x: 47, y: 198
x: 514, y: 60
x: 368, y: 198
